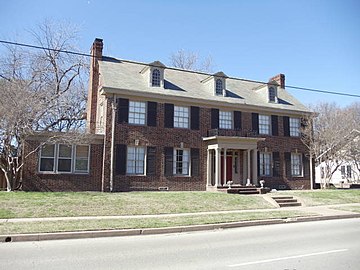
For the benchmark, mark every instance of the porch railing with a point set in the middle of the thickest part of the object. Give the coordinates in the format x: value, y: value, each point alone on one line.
x: 232, y: 132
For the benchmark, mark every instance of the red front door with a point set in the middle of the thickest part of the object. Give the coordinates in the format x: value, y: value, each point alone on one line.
x: 228, y: 169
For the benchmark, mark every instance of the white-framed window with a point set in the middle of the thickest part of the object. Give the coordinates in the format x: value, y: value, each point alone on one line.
x: 81, y: 158
x: 181, y: 117
x: 264, y: 124
x: 218, y: 87
x: 181, y: 162
x: 47, y: 158
x: 272, y: 94
x: 137, y: 112
x: 155, y: 78
x: 296, y: 164
x: 265, y: 163
x: 346, y: 171
x: 61, y: 158
x: 294, y: 124
x: 135, y: 160
x: 225, y: 120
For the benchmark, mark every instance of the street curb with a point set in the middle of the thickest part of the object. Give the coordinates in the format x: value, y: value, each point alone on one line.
x: 166, y: 230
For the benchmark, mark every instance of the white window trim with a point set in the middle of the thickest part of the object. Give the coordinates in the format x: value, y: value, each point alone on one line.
x: 88, y: 160
x: 145, y: 113
x: 189, y: 162
x: 269, y: 124
x: 294, y: 131
x: 144, y: 168
x: 188, y: 118
x: 301, y: 174
x: 275, y: 95
x: 231, y: 119
x: 56, y: 160
x: 152, y: 77
x: 270, y: 163
x: 222, y: 87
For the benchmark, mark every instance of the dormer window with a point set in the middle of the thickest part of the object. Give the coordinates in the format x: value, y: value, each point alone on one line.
x: 154, y: 74
x: 219, y: 87
x: 155, y: 78
x: 272, y: 94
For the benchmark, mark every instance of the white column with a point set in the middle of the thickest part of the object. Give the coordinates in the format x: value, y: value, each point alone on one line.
x: 244, y: 167
x: 254, y: 167
x: 224, y: 173
x: 208, y: 168
x: 217, y: 166
x: 248, y: 181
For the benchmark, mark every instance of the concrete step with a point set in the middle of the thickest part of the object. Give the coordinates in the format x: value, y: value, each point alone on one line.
x: 289, y: 204
x: 286, y: 201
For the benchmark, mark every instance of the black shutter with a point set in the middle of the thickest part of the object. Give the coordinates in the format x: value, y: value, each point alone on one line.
x: 258, y: 163
x: 274, y: 125
x: 288, y: 164
x: 237, y: 120
x: 286, y: 121
x: 151, y: 113
x: 276, y: 164
x: 120, y: 159
x: 168, y: 153
x: 306, y: 165
x: 255, y: 122
x: 195, y: 161
x: 214, y: 118
x: 123, y: 110
x: 169, y: 115
x: 151, y: 161
x: 195, y: 118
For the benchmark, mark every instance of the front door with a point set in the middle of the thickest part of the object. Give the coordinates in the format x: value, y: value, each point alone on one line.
x: 229, y: 167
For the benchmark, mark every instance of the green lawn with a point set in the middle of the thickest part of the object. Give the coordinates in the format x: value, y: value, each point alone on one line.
x: 326, y: 197
x: 159, y: 222
x: 67, y: 204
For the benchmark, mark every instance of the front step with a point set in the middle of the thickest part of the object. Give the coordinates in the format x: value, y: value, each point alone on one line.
x: 244, y: 190
x: 286, y: 201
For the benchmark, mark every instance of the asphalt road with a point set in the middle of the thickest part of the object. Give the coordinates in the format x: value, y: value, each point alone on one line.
x: 313, y: 245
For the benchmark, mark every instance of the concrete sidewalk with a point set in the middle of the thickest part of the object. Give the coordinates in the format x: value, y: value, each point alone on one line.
x: 316, y: 213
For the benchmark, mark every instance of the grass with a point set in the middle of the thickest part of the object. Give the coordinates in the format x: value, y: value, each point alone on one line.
x: 68, y: 204
x: 159, y: 222
x: 326, y: 197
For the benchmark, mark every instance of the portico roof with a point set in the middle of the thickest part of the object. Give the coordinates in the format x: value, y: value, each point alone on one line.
x: 233, y: 142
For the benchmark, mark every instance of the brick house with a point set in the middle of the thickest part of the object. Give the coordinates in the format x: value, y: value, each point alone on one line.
x: 160, y: 128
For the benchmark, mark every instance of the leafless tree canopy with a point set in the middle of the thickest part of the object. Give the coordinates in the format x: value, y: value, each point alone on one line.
x: 331, y: 136
x: 191, y: 61
x: 40, y: 90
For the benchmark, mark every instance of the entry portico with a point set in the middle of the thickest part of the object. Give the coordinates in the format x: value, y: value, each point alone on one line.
x: 232, y: 159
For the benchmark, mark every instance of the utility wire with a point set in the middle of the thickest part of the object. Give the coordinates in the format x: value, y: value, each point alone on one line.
x: 171, y: 68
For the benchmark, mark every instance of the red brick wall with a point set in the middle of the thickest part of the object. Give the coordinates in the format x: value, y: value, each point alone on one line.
x: 34, y: 181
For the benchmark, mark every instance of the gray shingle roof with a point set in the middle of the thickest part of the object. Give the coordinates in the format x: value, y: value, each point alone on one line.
x: 122, y: 76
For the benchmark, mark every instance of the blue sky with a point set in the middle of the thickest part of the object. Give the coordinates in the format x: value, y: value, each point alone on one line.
x: 316, y: 44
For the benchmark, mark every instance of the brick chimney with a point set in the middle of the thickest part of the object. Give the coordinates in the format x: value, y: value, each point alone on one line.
x: 280, y: 79
x: 96, y: 52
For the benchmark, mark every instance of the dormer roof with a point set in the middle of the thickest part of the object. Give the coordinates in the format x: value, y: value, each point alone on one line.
x: 157, y: 64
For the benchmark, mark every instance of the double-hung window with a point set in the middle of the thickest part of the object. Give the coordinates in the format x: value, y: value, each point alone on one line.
x: 296, y: 164
x: 181, y: 161
x: 264, y: 124
x: 155, y: 78
x: 225, y: 120
x: 135, y: 160
x: 219, y: 87
x: 265, y: 164
x: 61, y: 158
x: 181, y: 117
x: 272, y: 94
x: 137, y: 112
x: 294, y: 124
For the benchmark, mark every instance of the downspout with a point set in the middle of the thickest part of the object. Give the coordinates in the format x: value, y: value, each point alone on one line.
x: 112, y: 146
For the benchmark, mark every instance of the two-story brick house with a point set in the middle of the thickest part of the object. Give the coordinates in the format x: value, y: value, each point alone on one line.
x: 161, y: 128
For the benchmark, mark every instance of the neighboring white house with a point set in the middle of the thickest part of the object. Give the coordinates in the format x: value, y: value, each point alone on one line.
x: 346, y: 173
x: 347, y: 169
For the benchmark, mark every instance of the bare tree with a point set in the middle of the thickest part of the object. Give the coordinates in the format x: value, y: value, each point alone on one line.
x: 40, y: 91
x: 191, y: 61
x: 329, y: 137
